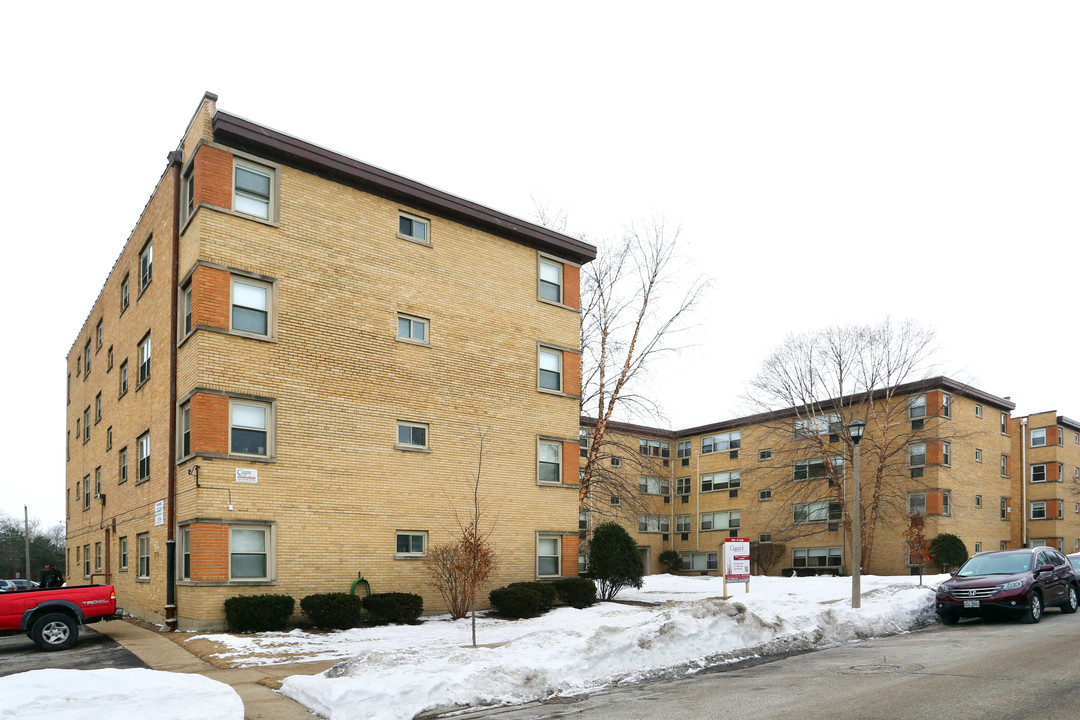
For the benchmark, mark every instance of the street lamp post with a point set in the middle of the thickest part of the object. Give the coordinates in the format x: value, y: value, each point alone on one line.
x: 855, y: 429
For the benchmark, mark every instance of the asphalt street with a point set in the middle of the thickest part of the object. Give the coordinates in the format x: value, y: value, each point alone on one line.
x: 18, y: 653
x: 978, y: 670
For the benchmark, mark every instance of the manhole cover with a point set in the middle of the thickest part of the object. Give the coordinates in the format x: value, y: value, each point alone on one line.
x: 871, y: 669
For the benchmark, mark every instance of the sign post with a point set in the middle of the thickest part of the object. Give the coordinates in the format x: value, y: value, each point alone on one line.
x: 736, y: 562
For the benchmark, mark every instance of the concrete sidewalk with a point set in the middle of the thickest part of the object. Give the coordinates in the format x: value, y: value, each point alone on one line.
x: 252, y: 684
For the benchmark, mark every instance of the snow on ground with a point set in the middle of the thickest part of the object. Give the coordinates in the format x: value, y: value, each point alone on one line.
x: 134, y: 694
x: 395, y: 672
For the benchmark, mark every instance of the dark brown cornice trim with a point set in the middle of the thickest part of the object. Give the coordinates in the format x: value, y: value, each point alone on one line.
x: 935, y: 383
x: 249, y: 136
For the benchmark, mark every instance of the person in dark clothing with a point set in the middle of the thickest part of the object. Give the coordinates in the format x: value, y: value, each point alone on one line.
x: 51, y: 578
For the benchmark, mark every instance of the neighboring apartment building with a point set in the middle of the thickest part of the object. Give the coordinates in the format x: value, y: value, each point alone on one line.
x: 1046, y: 450
x: 286, y: 377
x: 944, y: 449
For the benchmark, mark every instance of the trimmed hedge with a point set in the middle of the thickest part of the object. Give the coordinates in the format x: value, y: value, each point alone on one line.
x: 521, y: 601
x: 394, y: 607
x: 333, y: 611
x: 671, y: 561
x: 576, y: 592
x: 546, y: 590
x: 258, y: 613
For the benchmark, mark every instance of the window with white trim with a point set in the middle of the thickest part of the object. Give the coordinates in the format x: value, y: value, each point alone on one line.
x: 683, y: 486
x: 411, y: 543
x: 721, y: 442
x: 144, y: 359
x: 917, y: 407
x: 124, y: 553
x: 917, y: 454
x: 978, y: 501
x: 249, y: 552
x: 412, y: 436
x: 978, y: 411
x: 144, y: 457
x: 143, y: 540
x: 584, y: 441
x: 125, y: 293
x: 550, y: 369
x: 551, y: 280
x: 1038, y: 437
x: 946, y: 405
x: 654, y: 448
x: 253, y: 187
x: 653, y: 523
x: 654, y: 486
x: 684, y: 449
x: 682, y: 523
x: 828, y: 424
x: 946, y: 453
x: 249, y: 423
x: 1038, y: 473
x: 813, y: 512
x: 816, y: 557
x: 713, y: 482
x: 764, y: 495
x: 251, y: 302
x: 978, y: 455
x: 1038, y: 510
x: 549, y: 555
x: 146, y: 265
x: 699, y: 561
x: 723, y: 520
x: 549, y: 462
x: 123, y: 378
x: 412, y: 329
x: 414, y: 227
x: 917, y: 504
x: 185, y: 553
x: 185, y: 429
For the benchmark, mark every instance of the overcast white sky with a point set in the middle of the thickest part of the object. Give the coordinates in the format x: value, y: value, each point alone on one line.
x: 829, y: 162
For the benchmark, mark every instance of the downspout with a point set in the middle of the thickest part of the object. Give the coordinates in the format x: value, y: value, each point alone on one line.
x: 176, y: 158
x: 1023, y: 483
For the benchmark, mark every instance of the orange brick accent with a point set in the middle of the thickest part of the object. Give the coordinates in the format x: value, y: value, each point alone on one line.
x: 571, y: 285
x: 1053, y: 472
x: 209, y: 423
x: 1053, y: 509
x: 570, y: 469
x: 934, y: 452
x: 570, y: 546
x: 934, y: 402
x: 571, y: 373
x: 209, y: 551
x: 935, y: 505
x: 1053, y: 436
x: 210, y: 297
x: 213, y: 170
x: 1054, y: 543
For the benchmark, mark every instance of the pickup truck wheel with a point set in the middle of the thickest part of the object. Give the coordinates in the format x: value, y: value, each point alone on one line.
x: 55, y: 631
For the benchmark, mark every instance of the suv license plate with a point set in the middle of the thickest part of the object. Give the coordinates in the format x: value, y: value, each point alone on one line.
x: 971, y: 603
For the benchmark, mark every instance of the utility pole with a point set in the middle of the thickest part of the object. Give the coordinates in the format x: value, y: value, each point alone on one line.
x: 26, y: 537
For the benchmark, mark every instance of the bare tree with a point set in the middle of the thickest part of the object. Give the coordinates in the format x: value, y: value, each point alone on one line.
x: 810, y: 389
x: 636, y: 301
x: 458, y: 569
x: 767, y: 555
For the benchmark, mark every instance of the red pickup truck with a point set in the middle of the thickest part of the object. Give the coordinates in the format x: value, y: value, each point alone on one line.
x: 51, y: 618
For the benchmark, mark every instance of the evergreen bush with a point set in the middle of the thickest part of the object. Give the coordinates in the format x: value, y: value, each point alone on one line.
x: 333, y: 611
x: 521, y: 601
x: 545, y: 590
x: 576, y: 592
x: 671, y: 561
x: 614, y: 560
x: 394, y: 607
x: 258, y: 613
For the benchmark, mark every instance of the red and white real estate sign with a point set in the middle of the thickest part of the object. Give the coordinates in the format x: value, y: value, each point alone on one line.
x: 737, y: 560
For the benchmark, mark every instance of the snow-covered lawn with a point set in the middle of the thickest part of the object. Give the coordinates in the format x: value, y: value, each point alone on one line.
x: 395, y: 672
x: 112, y: 694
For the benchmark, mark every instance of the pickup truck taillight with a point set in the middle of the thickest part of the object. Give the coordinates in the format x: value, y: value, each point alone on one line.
x: 112, y: 596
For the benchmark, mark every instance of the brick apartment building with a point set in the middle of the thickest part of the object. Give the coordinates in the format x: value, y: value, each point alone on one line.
x: 953, y: 453
x: 286, y: 377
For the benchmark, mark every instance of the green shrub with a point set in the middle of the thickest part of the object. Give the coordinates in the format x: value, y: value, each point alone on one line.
x: 546, y: 590
x: 614, y: 560
x: 576, y: 592
x: 948, y: 551
x: 333, y: 611
x: 393, y: 607
x: 258, y: 613
x: 671, y: 561
x: 519, y: 602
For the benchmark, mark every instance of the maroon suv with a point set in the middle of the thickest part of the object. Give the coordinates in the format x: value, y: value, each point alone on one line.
x: 1018, y: 583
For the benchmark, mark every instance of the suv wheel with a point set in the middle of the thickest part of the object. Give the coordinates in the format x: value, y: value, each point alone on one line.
x: 949, y: 618
x: 1071, y: 602
x: 1035, y: 611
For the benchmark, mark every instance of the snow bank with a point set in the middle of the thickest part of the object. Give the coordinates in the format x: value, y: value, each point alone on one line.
x: 134, y: 694
x: 568, y: 651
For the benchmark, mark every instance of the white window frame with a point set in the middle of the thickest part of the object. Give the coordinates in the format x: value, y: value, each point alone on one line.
x: 268, y: 288
x: 1043, y: 467
x: 145, y: 354
x: 829, y: 553
x: 97, y: 556
x: 721, y: 442
x: 183, y: 571
x: 414, y: 321
x: 946, y: 405
x: 732, y: 520
x: 411, y: 535
x: 558, y: 556
x: 1039, y: 505
x: 978, y: 501
x: 123, y: 378
x: 915, y: 451
x: 541, y: 283
x: 684, y: 449
x: 411, y: 445
x: 699, y: 561
x: 250, y: 196
x: 268, y: 409
x: 268, y: 539
x: 142, y: 568
x: 125, y: 293
x: 946, y: 453
x: 652, y: 485
x: 143, y: 456
x: 552, y: 354
x: 917, y: 503
x: 917, y: 407
x: 764, y: 495
x: 540, y: 444
x: 146, y: 266
x: 654, y: 523
x: 683, y: 486
x: 820, y: 511
x: 123, y: 552
x: 1038, y: 437
x: 978, y: 455
x: 414, y: 221
x: 721, y: 481
x: 683, y: 523
x: 185, y: 429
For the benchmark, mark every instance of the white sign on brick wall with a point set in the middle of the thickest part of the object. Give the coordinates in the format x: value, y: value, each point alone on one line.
x: 159, y: 512
x: 247, y: 475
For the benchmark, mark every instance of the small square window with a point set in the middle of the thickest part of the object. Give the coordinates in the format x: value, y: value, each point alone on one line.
x: 411, y: 227
x: 617, y: 462
x: 412, y: 436
x: 412, y: 329
x: 764, y: 495
x: 764, y: 455
x: 411, y: 542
